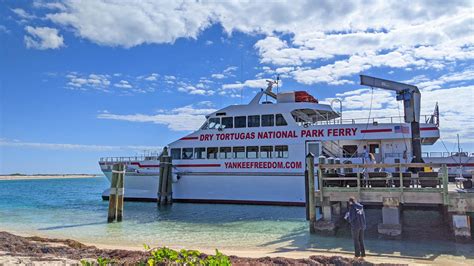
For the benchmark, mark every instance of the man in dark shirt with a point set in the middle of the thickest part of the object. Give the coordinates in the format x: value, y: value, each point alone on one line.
x: 356, y: 217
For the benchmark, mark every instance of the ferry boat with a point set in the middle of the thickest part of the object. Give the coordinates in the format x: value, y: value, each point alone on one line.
x: 255, y: 153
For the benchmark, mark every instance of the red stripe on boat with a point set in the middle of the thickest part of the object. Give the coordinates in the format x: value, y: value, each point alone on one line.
x: 179, y: 165
x: 462, y: 164
x: 429, y: 128
x: 376, y: 130
x: 198, y: 165
x: 189, y: 138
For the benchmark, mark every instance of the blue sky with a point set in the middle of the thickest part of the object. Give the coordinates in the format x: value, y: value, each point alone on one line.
x: 85, y: 79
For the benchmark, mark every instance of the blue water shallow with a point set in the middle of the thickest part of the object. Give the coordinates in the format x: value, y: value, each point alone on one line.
x: 73, y: 208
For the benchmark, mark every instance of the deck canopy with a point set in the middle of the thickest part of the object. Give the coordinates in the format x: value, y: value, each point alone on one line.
x: 307, y: 115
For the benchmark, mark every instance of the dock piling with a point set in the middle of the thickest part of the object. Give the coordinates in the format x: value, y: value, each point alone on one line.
x: 116, y: 193
x: 307, y: 194
x: 165, y: 181
x: 120, y: 192
x: 311, y: 206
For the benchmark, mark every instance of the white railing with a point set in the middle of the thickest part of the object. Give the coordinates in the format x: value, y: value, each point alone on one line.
x: 127, y: 159
x: 373, y: 120
x: 446, y: 154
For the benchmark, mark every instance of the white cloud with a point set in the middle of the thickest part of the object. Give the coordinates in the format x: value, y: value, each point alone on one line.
x: 4, y: 29
x: 331, y: 73
x: 123, y: 84
x: 152, y: 77
x: 178, y: 119
x: 252, y: 83
x: 23, y: 14
x: 131, y: 23
x: 80, y: 147
x: 194, y: 90
x: 226, y: 73
x: 43, y: 38
x: 218, y: 76
x: 464, y: 76
x: 230, y: 70
x: 209, y: 42
x: 91, y: 81
x: 205, y: 103
x: 49, y: 5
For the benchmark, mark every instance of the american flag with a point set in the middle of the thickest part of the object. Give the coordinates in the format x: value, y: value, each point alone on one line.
x: 402, y: 129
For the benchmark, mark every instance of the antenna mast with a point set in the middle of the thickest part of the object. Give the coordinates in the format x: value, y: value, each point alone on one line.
x: 278, y: 82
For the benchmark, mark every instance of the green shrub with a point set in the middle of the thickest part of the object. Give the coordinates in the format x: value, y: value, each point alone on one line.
x: 100, y: 261
x: 168, y: 256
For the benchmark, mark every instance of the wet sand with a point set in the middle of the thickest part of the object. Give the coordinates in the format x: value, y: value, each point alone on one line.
x: 33, y: 177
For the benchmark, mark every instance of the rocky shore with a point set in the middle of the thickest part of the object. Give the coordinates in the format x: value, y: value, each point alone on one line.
x: 47, y: 251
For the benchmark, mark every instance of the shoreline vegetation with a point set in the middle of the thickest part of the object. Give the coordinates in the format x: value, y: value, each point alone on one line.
x: 35, y: 250
x: 18, y: 176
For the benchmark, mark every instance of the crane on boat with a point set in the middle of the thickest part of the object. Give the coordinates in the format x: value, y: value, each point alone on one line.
x: 411, y: 97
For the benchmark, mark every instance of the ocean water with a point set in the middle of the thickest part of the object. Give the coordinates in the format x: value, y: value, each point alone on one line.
x: 73, y: 208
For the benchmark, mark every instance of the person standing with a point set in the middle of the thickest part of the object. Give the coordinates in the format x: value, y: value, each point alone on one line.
x: 356, y: 217
x: 365, y: 160
x: 365, y: 155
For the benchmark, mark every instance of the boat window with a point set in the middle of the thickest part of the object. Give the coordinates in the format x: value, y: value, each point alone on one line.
x: 268, y: 120
x: 176, y: 154
x: 214, y: 122
x: 212, y: 153
x: 266, y: 151
x: 253, y: 121
x: 252, y: 152
x: 200, y: 153
x: 239, y: 152
x: 225, y: 153
x: 228, y: 122
x: 187, y: 153
x: 349, y: 151
x: 281, y: 151
x: 204, y: 126
x: 240, y: 121
x: 280, y: 120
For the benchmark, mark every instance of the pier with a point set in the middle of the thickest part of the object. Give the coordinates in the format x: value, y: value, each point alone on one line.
x: 371, y: 185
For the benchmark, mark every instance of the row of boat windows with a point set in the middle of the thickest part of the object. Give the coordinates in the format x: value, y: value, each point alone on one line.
x: 269, y: 120
x: 239, y: 152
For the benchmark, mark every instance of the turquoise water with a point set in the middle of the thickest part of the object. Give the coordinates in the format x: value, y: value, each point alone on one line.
x: 73, y: 208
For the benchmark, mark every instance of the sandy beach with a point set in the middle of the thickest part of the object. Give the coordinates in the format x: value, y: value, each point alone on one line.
x: 45, y: 176
x: 34, y: 250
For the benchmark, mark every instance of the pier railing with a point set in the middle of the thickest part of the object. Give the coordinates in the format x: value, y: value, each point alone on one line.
x: 370, y: 185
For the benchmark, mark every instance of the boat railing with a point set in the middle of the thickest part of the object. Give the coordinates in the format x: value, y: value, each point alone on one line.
x: 371, y: 120
x: 127, y: 159
x: 446, y: 154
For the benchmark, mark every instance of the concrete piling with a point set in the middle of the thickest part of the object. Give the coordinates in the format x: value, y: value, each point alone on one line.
x: 391, y: 225
x: 461, y: 227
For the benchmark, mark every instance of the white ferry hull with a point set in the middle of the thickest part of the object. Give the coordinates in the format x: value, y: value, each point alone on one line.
x: 239, y: 189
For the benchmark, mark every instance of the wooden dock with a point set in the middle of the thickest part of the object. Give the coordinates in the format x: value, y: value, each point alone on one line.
x: 336, y: 183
